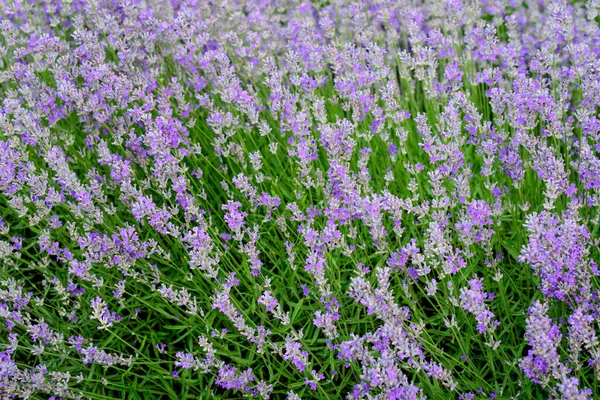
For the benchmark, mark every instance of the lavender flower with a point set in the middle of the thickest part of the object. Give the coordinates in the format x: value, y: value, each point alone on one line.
x: 327, y: 176
x: 542, y: 362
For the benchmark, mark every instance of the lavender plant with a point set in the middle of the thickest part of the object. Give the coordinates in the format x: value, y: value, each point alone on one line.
x: 346, y: 199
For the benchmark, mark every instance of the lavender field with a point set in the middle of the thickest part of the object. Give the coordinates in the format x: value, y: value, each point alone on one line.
x: 276, y: 199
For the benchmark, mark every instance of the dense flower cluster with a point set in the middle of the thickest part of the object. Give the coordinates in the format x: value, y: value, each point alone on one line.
x: 362, y: 199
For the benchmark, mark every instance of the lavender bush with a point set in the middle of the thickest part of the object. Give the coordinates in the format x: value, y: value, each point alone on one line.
x: 359, y: 199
